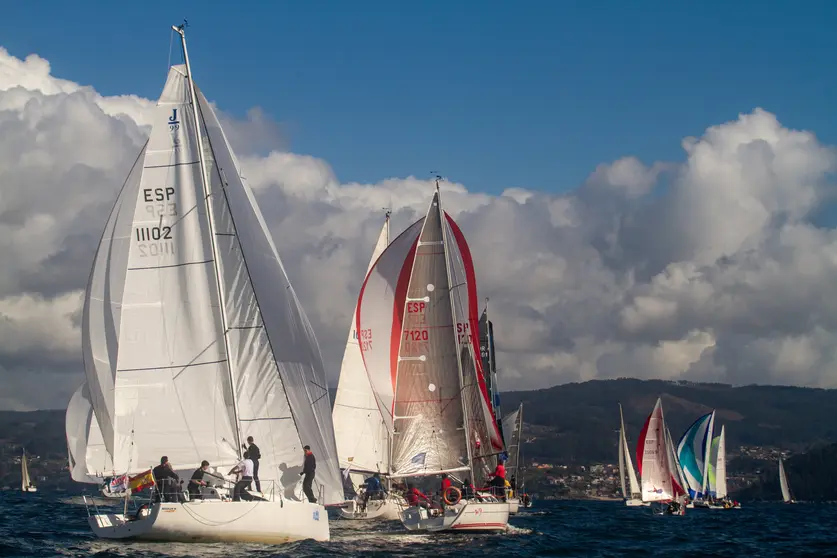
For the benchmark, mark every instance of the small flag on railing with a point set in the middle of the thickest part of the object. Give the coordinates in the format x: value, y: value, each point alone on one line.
x: 141, y: 481
x: 118, y: 484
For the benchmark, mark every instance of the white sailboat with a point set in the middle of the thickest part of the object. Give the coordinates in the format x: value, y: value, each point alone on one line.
x: 418, y: 307
x: 26, y: 484
x: 783, y: 483
x: 655, y: 453
x: 90, y: 462
x: 513, y: 428
x: 718, y: 475
x: 193, y: 339
x: 359, y: 429
x: 626, y: 465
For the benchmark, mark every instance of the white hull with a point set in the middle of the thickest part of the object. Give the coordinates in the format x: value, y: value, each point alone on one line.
x: 634, y: 502
x: 218, y: 521
x: 30, y: 489
x: 514, y: 505
x: 383, y: 510
x: 467, y: 516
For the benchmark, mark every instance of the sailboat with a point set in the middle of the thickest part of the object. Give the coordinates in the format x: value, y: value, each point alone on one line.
x: 787, y: 497
x: 513, y: 428
x: 26, y: 484
x: 655, y: 455
x: 193, y: 339
x: 634, y: 497
x: 718, y: 475
x: 693, y: 455
x: 418, y: 308
x: 359, y: 429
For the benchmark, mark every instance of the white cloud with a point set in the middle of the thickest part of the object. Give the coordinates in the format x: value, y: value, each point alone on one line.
x: 707, y: 269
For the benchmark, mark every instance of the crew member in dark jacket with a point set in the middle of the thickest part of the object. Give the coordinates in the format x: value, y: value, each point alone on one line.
x: 168, y: 483
x: 308, y: 468
x: 255, y: 455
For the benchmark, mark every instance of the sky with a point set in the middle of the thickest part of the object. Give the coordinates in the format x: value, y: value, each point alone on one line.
x: 647, y: 192
x: 490, y: 95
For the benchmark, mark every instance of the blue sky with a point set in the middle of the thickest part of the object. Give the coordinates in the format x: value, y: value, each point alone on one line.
x: 490, y: 93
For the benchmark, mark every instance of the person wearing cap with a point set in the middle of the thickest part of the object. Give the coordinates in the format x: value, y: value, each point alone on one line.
x: 309, y: 466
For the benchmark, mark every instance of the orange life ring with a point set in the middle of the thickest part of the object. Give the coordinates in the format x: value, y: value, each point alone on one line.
x: 452, y: 490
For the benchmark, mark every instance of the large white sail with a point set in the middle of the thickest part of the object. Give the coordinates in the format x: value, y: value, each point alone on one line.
x: 783, y: 482
x: 721, y: 467
x: 359, y: 428
x: 170, y: 373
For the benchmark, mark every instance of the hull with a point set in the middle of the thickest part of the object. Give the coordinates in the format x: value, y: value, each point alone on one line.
x: 218, y: 521
x: 514, y: 505
x: 382, y: 510
x: 30, y: 489
x: 467, y: 516
x: 635, y: 502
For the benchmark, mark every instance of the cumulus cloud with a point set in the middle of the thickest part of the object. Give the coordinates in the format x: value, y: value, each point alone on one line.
x: 712, y: 268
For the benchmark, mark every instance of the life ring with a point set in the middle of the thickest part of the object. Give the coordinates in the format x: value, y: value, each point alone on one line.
x: 450, y: 493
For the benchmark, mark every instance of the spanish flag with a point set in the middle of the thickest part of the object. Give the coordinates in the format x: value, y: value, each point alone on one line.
x: 141, y: 481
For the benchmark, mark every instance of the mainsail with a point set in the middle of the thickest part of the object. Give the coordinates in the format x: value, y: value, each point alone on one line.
x: 693, y: 454
x: 193, y: 337
x: 359, y: 429
x: 720, y: 485
x: 513, y: 428
x: 489, y: 367
x: 25, y: 481
x: 418, y: 308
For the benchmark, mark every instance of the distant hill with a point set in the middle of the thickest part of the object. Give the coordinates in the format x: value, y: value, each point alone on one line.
x: 572, y: 423
x: 810, y: 477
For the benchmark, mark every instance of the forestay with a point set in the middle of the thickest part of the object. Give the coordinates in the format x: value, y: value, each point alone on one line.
x: 359, y: 428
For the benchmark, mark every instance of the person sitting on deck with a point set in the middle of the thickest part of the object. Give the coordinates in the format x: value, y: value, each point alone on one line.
x: 414, y: 497
x: 374, y: 490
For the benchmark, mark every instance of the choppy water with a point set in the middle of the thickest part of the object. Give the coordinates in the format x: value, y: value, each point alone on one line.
x: 44, y: 525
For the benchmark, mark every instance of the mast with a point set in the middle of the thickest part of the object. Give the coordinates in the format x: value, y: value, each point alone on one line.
x: 622, y: 447
x: 180, y: 29
x: 465, y: 417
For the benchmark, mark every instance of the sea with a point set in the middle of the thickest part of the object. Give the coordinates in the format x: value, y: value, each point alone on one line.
x: 44, y: 525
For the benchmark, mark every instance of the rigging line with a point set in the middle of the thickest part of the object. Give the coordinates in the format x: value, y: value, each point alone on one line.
x: 171, y: 42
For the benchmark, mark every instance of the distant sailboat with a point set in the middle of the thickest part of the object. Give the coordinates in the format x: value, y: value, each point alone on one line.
x: 655, y: 455
x: 193, y: 338
x: 626, y: 465
x: 693, y: 455
x: 26, y: 484
x: 359, y: 429
x: 787, y: 497
x: 513, y: 428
